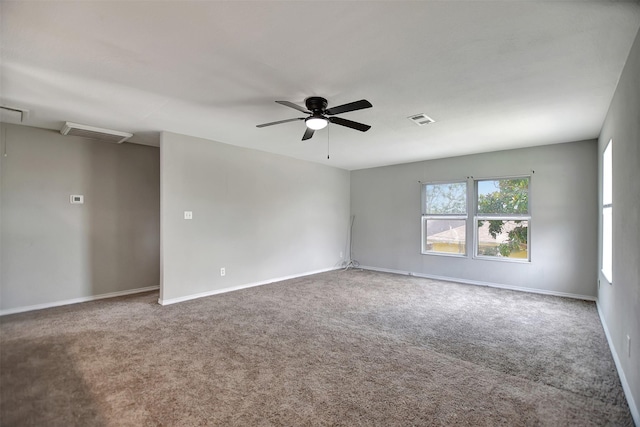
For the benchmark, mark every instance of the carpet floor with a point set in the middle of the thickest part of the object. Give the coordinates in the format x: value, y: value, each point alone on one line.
x: 354, y: 348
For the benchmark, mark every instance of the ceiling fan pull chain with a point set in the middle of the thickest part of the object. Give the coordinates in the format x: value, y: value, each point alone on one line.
x: 328, y: 130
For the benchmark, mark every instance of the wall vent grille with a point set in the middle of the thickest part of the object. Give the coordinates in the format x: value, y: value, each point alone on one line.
x: 92, y: 132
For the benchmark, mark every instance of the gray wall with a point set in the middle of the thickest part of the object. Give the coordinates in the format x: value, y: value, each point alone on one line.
x: 386, y: 205
x: 619, y: 302
x: 261, y: 216
x: 53, y: 251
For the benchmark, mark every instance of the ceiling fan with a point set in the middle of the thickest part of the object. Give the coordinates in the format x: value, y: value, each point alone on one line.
x: 318, y: 112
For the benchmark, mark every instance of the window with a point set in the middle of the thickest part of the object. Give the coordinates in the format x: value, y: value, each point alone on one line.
x: 607, y: 212
x: 502, y: 219
x: 444, y: 218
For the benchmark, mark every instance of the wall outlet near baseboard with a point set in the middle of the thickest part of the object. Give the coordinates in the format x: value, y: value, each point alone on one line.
x: 340, y: 254
x: 223, y: 271
x: 628, y: 346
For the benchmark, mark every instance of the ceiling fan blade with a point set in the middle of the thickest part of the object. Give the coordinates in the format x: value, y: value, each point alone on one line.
x: 294, y: 106
x: 349, y: 123
x: 278, y: 122
x: 307, y: 134
x: 352, y: 106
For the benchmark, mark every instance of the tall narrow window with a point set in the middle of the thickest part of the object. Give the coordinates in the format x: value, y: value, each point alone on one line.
x: 444, y: 218
x: 502, y: 218
x: 607, y: 212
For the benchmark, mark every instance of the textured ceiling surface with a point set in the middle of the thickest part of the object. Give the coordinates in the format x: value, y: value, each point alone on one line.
x: 494, y: 75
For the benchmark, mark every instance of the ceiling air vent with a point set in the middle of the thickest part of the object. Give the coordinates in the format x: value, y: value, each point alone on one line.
x: 13, y: 114
x: 75, y: 129
x: 421, y: 119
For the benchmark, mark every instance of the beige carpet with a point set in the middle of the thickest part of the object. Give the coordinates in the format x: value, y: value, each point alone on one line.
x: 340, y: 348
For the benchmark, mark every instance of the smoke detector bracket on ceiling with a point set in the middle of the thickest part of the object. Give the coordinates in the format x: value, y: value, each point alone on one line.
x: 92, y: 132
x: 421, y: 119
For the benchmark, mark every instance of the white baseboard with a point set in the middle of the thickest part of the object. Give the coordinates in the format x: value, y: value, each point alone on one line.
x: 623, y: 379
x: 77, y: 300
x: 237, y: 288
x: 478, y: 283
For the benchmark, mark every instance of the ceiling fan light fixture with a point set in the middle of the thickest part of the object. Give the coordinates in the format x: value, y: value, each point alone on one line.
x: 316, y: 123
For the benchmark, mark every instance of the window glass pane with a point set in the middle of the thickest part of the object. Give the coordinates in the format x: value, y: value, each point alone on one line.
x: 503, y: 196
x: 503, y: 239
x: 607, y: 243
x: 445, y: 236
x: 446, y: 199
x: 607, y: 176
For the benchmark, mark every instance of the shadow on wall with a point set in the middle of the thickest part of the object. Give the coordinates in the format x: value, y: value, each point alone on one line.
x: 122, y: 218
x: 54, y: 251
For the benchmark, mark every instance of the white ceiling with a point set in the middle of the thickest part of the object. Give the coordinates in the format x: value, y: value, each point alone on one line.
x: 493, y: 74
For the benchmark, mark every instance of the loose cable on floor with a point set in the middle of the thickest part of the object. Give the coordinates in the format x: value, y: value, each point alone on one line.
x: 351, y: 263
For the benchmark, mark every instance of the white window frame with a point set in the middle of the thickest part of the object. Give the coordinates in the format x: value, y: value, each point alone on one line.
x: 606, y: 258
x: 426, y: 216
x: 501, y: 217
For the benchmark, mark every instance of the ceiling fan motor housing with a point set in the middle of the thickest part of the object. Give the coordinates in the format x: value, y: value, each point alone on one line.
x: 316, y: 104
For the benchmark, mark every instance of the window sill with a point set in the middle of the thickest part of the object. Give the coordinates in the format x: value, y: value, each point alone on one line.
x: 445, y: 254
x: 501, y: 259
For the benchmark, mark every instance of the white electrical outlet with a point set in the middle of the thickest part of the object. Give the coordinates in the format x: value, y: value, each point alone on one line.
x: 223, y: 271
x: 340, y: 254
x: 628, y: 346
x: 188, y: 215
